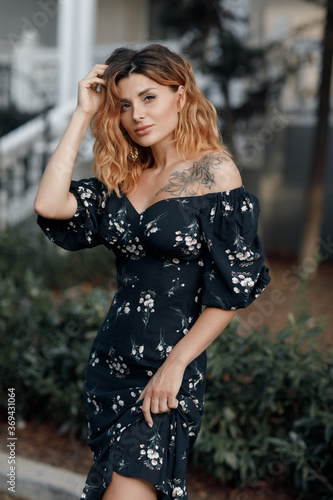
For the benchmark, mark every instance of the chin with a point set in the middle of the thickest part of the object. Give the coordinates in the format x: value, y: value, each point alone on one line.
x: 146, y: 143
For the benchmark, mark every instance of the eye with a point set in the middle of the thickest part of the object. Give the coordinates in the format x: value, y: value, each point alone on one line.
x: 149, y: 97
x: 124, y: 106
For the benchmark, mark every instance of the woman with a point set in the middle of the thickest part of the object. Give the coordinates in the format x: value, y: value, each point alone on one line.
x: 169, y: 201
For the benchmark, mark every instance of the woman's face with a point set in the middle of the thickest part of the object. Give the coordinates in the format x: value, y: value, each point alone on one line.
x: 149, y: 111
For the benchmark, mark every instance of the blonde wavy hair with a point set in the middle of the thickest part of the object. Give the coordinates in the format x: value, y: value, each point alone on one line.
x: 118, y: 161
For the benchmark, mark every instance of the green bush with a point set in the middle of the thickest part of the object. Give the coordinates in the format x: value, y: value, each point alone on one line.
x: 27, y: 248
x: 47, y: 322
x: 44, y: 348
x: 269, y: 410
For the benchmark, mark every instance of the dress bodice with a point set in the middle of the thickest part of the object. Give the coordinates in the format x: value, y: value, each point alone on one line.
x: 213, y: 237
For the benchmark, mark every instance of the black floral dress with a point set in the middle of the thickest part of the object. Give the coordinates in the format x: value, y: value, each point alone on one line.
x: 179, y: 254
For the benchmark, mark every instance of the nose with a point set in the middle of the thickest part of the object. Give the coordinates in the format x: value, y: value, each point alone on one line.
x: 138, y: 111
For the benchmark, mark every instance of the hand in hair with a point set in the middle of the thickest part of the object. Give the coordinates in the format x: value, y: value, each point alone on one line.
x: 88, y: 101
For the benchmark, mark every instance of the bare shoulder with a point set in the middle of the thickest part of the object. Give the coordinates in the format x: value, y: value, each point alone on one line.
x: 211, y: 172
x: 217, y: 171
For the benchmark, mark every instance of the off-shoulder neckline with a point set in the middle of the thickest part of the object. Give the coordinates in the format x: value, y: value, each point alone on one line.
x: 217, y: 194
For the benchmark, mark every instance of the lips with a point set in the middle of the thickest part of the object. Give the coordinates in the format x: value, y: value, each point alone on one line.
x: 143, y: 130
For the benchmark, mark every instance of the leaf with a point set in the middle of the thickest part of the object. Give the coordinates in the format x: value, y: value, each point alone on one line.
x: 231, y: 459
x: 328, y: 433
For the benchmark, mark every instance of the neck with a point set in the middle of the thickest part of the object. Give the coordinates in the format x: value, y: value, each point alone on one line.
x: 164, y: 155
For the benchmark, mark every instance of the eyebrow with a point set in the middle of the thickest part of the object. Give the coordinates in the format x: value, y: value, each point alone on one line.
x: 141, y: 93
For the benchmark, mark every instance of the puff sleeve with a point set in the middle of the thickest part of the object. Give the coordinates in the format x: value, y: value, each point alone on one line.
x: 81, y: 230
x: 234, y: 270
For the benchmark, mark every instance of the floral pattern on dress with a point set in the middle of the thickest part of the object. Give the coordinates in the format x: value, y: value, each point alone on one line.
x: 193, y: 382
x: 137, y: 350
x: 152, y: 454
x: 121, y: 233
x: 152, y: 227
x: 163, y: 348
x: 117, y: 226
x: 117, y: 404
x: 219, y: 301
x: 184, y: 404
x: 146, y: 305
x: 91, y: 399
x: 125, y: 279
x: 244, y: 282
x: 172, y: 442
x: 185, y: 321
x: 227, y: 206
x: 123, y: 309
x: 210, y: 275
x: 134, y: 249
x: 178, y: 487
x: 88, y: 489
x: 89, y: 195
x: 247, y: 206
x: 241, y: 253
x: 88, y: 232
x: 172, y: 262
x: 135, y: 392
x: 176, y: 284
x: 192, y: 239
x: 117, y: 365
x: 94, y: 359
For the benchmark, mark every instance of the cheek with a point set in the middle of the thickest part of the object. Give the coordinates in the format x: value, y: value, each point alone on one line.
x: 173, y: 108
x: 171, y: 112
x: 124, y: 121
x: 125, y: 126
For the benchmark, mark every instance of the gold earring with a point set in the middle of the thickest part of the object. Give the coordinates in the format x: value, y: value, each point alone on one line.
x: 134, y: 153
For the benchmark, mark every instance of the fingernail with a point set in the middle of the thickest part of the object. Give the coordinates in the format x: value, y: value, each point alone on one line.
x: 150, y: 424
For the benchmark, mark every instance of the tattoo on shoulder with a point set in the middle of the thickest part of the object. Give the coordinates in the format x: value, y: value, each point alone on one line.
x: 189, y: 181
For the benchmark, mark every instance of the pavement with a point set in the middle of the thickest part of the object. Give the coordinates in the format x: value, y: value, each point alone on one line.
x: 35, y: 480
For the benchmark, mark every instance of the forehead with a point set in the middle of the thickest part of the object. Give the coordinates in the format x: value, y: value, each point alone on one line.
x: 136, y: 83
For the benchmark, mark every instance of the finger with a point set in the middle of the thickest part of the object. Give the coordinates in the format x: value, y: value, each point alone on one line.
x: 100, y: 68
x: 172, y: 403
x: 155, y: 405
x: 146, y: 411
x: 95, y: 71
x: 163, y: 406
x: 92, y: 81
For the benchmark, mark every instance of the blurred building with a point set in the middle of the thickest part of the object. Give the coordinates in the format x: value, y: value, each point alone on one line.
x: 47, y: 46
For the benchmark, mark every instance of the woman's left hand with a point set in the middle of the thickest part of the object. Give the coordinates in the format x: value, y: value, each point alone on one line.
x: 159, y: 395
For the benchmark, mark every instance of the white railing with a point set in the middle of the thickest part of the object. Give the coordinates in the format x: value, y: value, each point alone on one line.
x: 23, y: 156
x: 34, y: 78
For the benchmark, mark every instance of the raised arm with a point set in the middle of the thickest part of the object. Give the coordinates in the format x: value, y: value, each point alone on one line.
x: 53, y: 199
